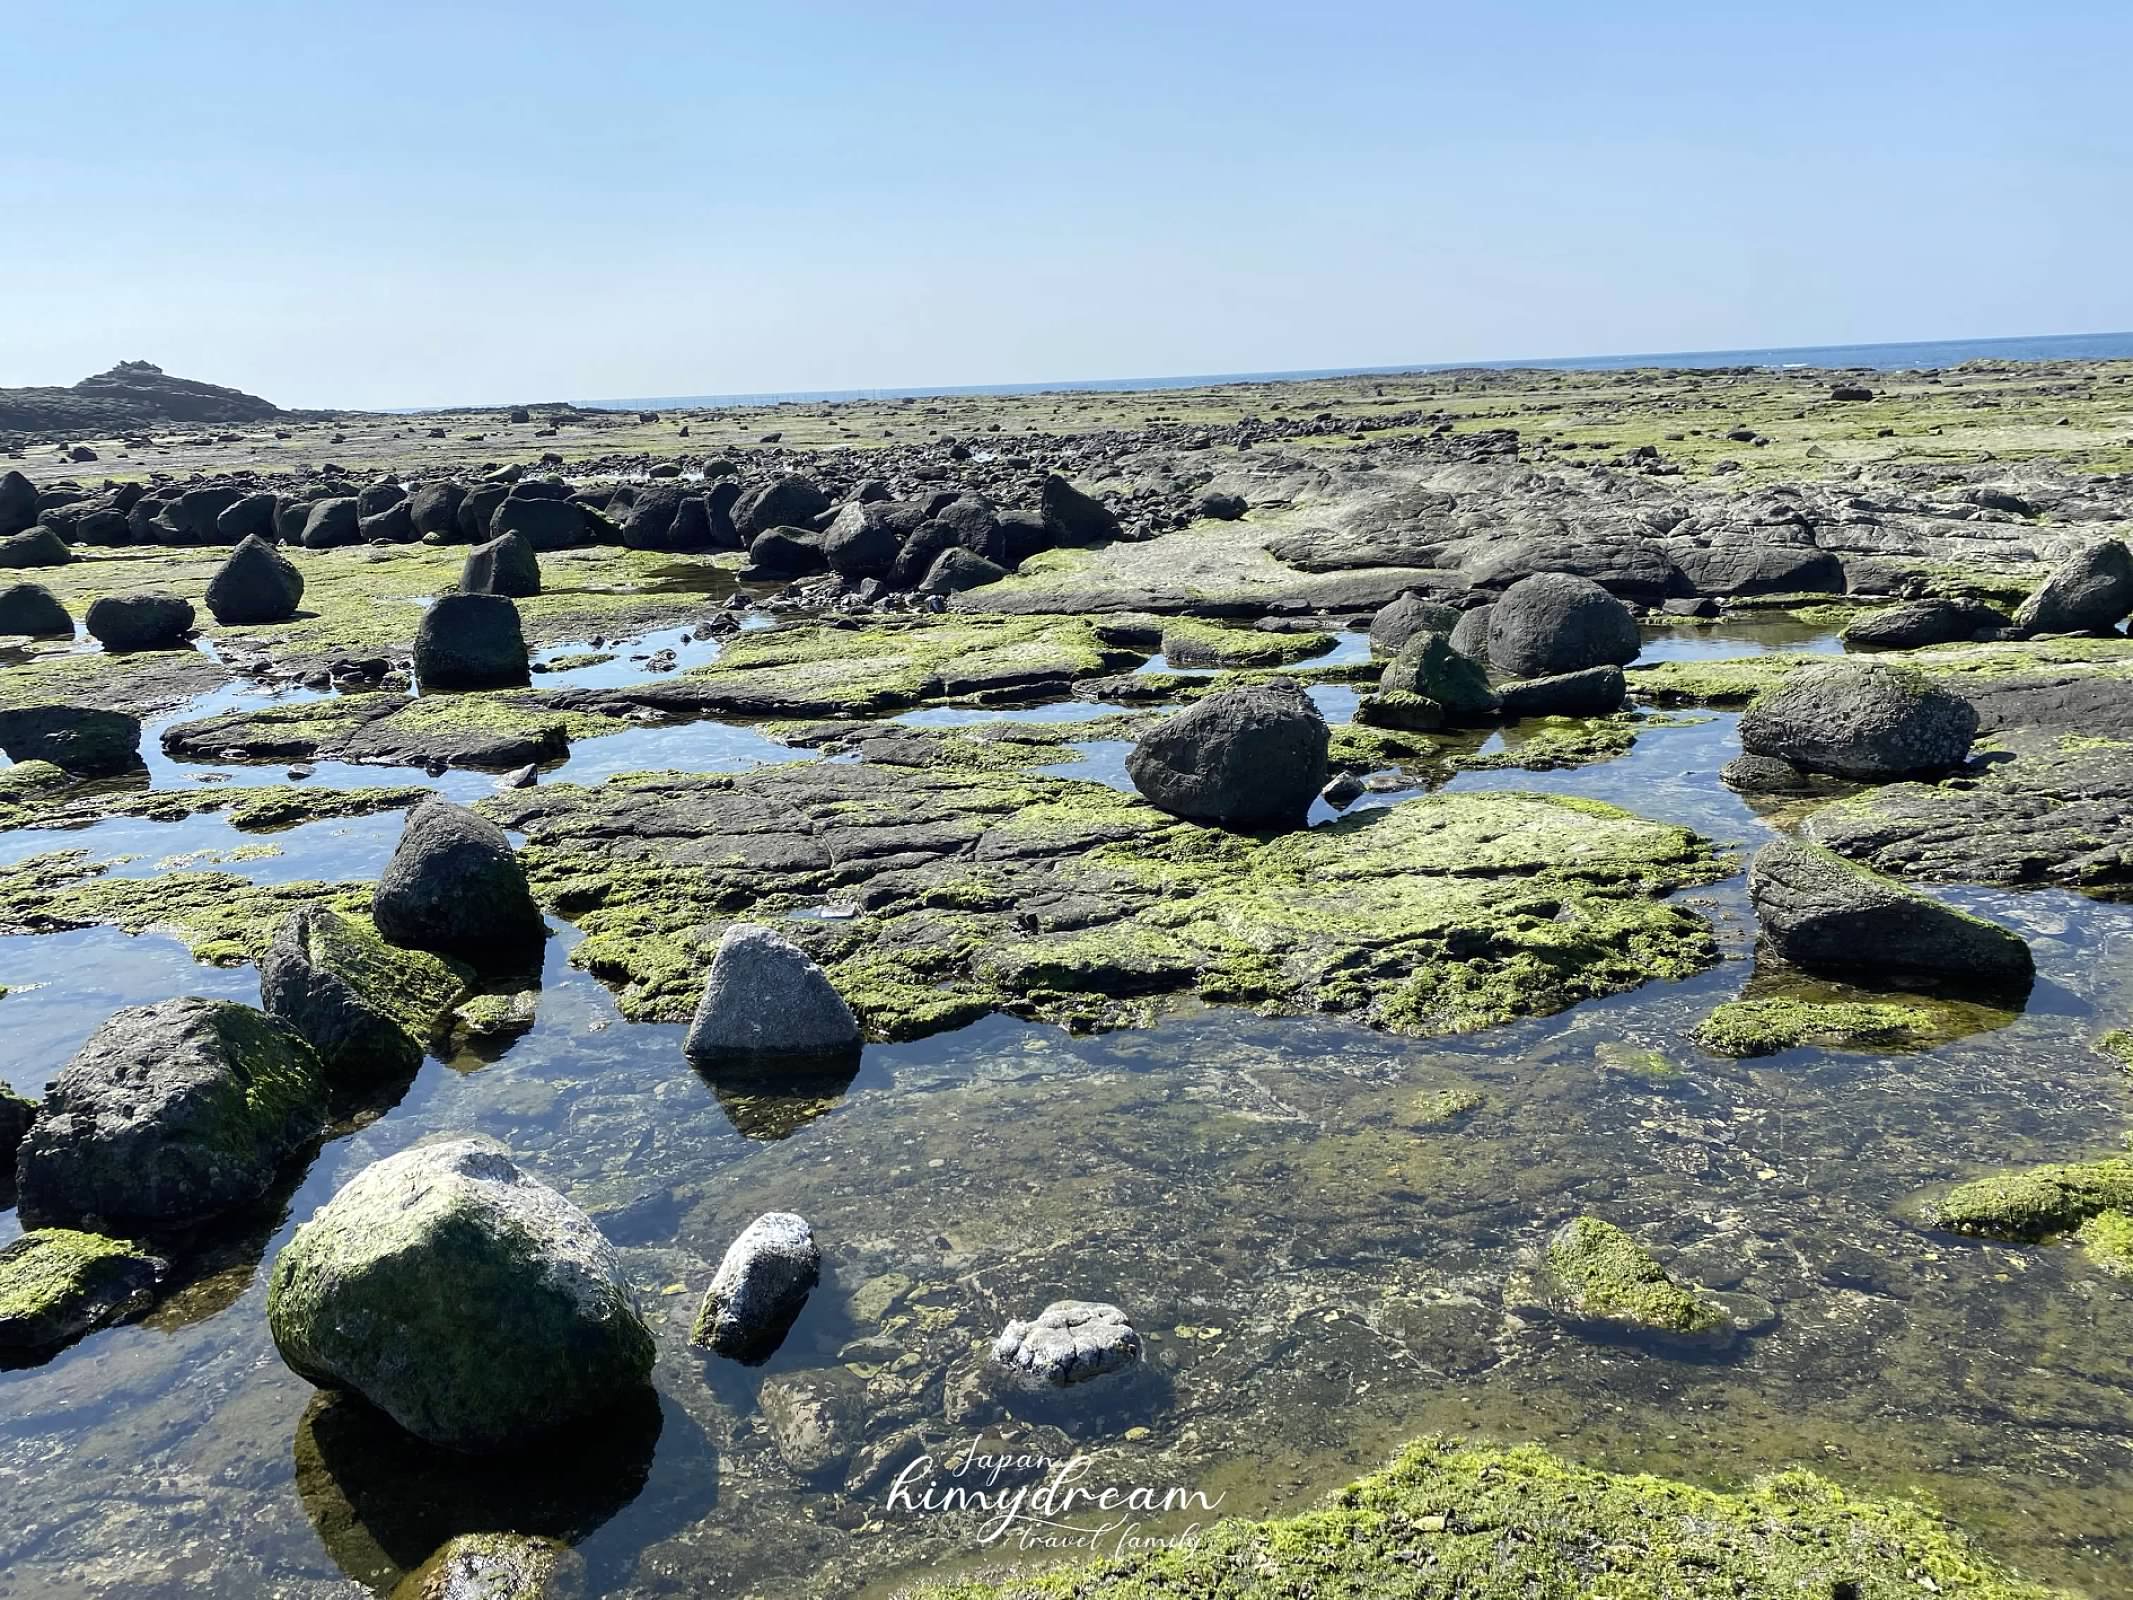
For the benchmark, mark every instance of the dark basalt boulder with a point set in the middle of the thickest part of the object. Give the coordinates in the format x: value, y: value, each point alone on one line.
x: 1865, y: 720
x: 140, y: 621
x: 863, y: 539
x: 368, y: 1008
x: 1217, y: 506
x: 651, y: 518
x: 1407, y: 616
x: 104, y: 528
x: 377, y: 497
x: 454, y: 886
x: 256, y: 584
x: 31, y: 608
x: 786, y: 502
x: 478, y: 508
x: 1554, y: 623
x: 249, y: 518
x: 1428, y: 666
x: 2090, y: 592
x: 78, y: 739
x: 1820, y: 911
x: 1470, y: 634
x: 719, y: 501
x: 393, y: 525
x: 171, y: 1113
x: 199, y: 512
x: 506, y: 565
x: 1023, y: 534
x: 1751, y: 567
x: 1595, y: 692
x: 433, y: 510
x: 1073, y: 517
x: 958, y: 569
x: 18, y: 503
x: 544, y: 524
x: 786, y: 552
x: 976, y: 526
x: 332, y: 523
x: 39, y: 547
x: 471, y: 641
x: 921, y: 549
x: 1922, y: 622
x: 1252, y: 757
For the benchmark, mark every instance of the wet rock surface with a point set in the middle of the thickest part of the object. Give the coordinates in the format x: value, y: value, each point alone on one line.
x: 454, y: 886
x: 1862, y: 721
x: 762, y: 1281
x: 1820, y: 911
x: 1069, y: 1341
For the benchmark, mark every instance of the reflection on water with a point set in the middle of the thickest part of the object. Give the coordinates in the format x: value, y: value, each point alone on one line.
x: 1322, y: 1263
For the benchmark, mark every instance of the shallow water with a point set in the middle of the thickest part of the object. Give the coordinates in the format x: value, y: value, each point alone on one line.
x: 1320, y: 1269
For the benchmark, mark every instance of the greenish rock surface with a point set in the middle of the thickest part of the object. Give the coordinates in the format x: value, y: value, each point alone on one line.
x: 1076, y: 903
x: 2108, y: 1239
x: 1598, y: 1273
x: 1428, y: 666
x: 2042, y: 1201
x: 472, y: 1304
x: 57, y: 1283
x: 1764, y: 1027
x: 1189, y: 642
x: 1450, y: 1520
x: 369, y: 1008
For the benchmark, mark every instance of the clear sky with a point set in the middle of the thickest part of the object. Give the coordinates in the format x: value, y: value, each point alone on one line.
x: 393, y: 203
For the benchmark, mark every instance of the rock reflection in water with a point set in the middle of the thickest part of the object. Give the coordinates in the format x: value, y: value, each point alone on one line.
x: 769, y: 1101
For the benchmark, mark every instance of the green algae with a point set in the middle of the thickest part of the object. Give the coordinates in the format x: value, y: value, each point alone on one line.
x: 1764, y: 1027
x: 223, y: 919
x: 1452, y: 1518
x: 2107, y: 1237
x: 2038, y: 1203
x: 1738, y: 680
x: 1544, y: 744
x: 2118, y: 1045
x: 56, y: 1283
x: 1190, y: 642
x: 1596, y: 1272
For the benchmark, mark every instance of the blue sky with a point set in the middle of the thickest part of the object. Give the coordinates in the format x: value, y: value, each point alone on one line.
x: 388, y: 203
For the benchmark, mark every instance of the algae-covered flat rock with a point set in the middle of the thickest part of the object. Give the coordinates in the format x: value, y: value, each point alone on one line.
x: 2038, y: 1202
x: 58, y: 1283
x: 1451, y: 1519
x: 468, y: 1301
x: 171, y: 1113
x: 1069, y: 901
x: 1596, y: 1273
x: 1764, y: 1027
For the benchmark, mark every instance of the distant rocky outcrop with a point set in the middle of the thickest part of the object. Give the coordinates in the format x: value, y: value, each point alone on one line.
x: 133, y: 394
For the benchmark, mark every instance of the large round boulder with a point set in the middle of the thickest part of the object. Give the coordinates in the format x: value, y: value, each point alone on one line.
x: 1553, y: 623
x: 83, y: 740
x: 1820, y: 911
x: 1407, y: 616
x: 454, y: 886
x: 140, y: 621
x: 471, y: 641
x: 543, y: 523
x: 1074, y: 517
x: 1864, y: 720
x: 331, y: 523
x: 18, y: 503
x: 39, y: 547
x: 433, y: 511
x: 790, y: 501
x: 256, y: 584
x: 506, y: 565
x: 171, y: 1113
x: 2089, y: 592
x: 469, y: 1302
x: 1252, y: 757
x: 764, y: 999
x: 863, y: 538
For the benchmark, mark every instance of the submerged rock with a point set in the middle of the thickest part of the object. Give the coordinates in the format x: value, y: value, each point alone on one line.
x: 1596, y: 1273
x: 256, y: 584
x: 1869, y: 721
x: 140, y: 621
x: 1252, y: 757
x: 454, y: 886
x: 506, y: 565
x: 368, y: 1008
x: 171, y: 1113
x: 471, y: 641
x: 56, y: 1284
x: 2039, y: 1202
x: 1069, y: 1341
x: 32, y: 609
x: 815, y: 1419
x: 761, y: 1285
x: 765, y: 998
x: 77, y: 739
x: 1553, y: 622
x: 497, y: 1566
x: 472, y: 1304
x: 2091, y: 591
x: 1763, y: 1027
x: 1822, y: 912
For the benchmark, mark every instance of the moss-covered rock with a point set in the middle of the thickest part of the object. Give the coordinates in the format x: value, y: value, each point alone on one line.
x: 2108, y: 1239
x: 1764, y: 1027
x: 56, y: 1284
x: 16, y: 1115
x: 1597, y: 1273
x: 472, y: 1304
x: 1459, y: 1521
x: 1189, y: 642
x: 2039, y: 1202
x: 369, y: 1008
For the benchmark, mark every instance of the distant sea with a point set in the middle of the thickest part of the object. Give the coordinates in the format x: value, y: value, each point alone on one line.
x: 1875, y: 357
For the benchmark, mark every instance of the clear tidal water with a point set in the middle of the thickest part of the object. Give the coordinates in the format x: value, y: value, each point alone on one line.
x: 1320, y: 1268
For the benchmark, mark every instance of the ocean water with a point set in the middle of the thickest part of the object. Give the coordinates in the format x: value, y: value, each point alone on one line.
x: 1876, y: 357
